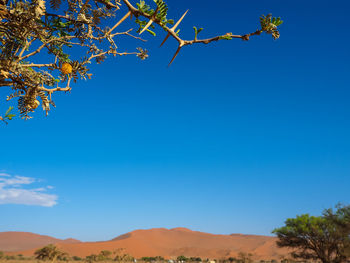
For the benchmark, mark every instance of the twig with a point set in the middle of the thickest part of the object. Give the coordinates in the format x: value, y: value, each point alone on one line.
x: 32, y: 65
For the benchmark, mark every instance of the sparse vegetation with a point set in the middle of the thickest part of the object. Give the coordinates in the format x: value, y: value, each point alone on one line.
x: 182, y: 258
x: 152, y: 259
x: 105, y: 255
x: 92, y: 258
x: 245, y: 257
x: 157, y: 259
x: 50, y: 252
x: 53, y: 254
x: 195, y: 259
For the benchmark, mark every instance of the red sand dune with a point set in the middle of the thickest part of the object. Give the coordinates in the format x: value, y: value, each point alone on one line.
x: 17, y: 241
x: 178, y: 241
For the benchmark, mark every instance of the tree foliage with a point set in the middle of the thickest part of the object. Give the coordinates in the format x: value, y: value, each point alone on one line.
x: 92, y: 258
x: 245, y: 257
x: 8, y: 115
x: 153, y: 259
x: 124, y: 258
x: 324, y: 238
x: 50, y: 252
x: 182, y: 258
x: 30, y: 27
x: 195, y: 259
x: 341, y: 219
x: 105, y: 254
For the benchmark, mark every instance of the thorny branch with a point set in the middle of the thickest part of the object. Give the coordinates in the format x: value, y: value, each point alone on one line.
x: 24, y: 25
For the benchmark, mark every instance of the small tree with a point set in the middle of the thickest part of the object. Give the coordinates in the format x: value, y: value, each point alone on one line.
x: 245, y: 257
x: 324, y: 238
x: 1, y: 255
x: 122, y: 256
x: 182, y: 258
x: 50, y: 252
x: 92, y: 258
x: 104, y: 255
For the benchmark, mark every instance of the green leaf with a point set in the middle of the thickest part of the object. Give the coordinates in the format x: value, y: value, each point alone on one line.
x: 226, y: 37
x: 197, y: 31
x: 151, y: 32
x: 8, y: 111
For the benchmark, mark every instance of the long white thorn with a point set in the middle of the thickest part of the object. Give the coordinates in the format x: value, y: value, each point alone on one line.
x: 120, y: 21
x: 147, y: 26
x: 174, y: 27
x: 178, y: 22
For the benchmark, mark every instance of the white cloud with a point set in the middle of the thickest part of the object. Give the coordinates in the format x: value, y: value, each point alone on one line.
x: 13, y: 191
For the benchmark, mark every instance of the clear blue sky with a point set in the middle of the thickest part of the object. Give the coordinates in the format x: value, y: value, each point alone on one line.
x: 232, y: 138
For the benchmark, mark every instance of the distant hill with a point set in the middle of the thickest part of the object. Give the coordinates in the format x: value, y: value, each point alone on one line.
x: 18, y: 241
x: 171, y: 243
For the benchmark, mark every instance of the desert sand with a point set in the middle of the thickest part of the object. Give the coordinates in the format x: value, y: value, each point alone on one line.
x: 18, y: 241
x: 168, y: 243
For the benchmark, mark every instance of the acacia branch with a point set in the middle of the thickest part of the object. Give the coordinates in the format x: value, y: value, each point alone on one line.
x: 79, y: 26
x: 39, y: 49
x: 182, y: 42
x: 171, y: 31
x: 67, y: 88
x: 32, y: 65
x: 4, y: 83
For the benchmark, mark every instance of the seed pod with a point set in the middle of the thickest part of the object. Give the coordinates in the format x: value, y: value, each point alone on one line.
x: 35, y: 104
x: 66, y: 68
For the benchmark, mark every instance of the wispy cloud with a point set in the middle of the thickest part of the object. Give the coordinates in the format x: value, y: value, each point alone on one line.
x: 13, y: 190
